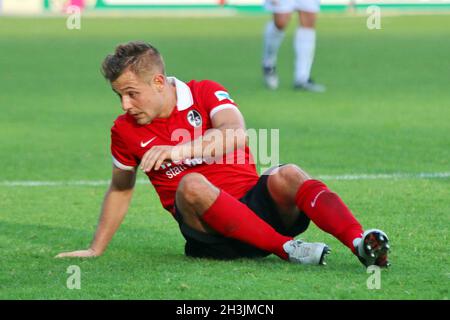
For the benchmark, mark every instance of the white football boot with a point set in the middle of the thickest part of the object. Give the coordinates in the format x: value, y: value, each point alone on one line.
x: 310, y: 85
x: 306, y: 253
x: 270, y: 77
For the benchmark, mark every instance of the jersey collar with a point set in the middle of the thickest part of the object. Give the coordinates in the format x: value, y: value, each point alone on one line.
x: 184, y: 95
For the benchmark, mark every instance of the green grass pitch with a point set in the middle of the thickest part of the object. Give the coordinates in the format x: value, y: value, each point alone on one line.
x: 387, y: 110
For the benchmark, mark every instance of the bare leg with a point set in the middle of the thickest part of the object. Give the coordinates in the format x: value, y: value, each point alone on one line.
x: 273, y: 37
x: 281, y: 20
x: 205, y: 208
x: 304, y: 45
x: 195, y: 194
x: 293, y: 191
x: 283, y: 184
x: 307, y: 19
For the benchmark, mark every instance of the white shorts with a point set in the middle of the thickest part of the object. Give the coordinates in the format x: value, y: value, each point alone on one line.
x: 288, y: 6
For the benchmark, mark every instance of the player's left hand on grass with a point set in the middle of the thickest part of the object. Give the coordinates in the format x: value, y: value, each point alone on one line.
x: 157, y: 155
x: 89, y: 253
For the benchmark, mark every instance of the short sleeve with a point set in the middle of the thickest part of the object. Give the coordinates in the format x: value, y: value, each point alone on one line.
x: 121, y: 156
x: 215, y: 97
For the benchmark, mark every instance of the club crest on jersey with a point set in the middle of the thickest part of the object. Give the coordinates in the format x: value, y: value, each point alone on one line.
x: 223, y: 95
x: 194, y: 118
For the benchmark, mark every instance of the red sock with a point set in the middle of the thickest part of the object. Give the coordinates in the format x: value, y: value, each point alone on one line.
x: 328, y: 212
x: 233, y: 219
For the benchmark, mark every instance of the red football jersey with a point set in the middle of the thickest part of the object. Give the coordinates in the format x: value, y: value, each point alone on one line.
x: 197, y: 102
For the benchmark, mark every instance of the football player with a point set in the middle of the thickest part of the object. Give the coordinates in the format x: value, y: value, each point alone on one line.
x: 224, y: 209
x: 304, y: 42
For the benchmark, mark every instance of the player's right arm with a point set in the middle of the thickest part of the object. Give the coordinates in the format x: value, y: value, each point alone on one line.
x: 115, y: 206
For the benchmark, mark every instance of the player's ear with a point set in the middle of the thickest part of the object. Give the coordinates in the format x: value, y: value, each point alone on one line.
x: 159, y: 80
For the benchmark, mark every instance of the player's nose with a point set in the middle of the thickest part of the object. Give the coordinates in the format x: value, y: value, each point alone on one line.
x: 126, y: 105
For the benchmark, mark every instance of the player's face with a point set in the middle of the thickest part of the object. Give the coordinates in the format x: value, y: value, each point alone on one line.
x: 140, y: 99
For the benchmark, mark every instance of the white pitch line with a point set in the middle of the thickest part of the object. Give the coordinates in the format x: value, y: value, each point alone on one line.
x: 381, y: 176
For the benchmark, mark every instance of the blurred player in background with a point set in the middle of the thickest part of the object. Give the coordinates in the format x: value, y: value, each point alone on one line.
x: 304, y: 41
x: 223, y: 208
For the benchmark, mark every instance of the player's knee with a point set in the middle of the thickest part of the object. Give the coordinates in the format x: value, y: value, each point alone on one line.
x: 192, y: 187
x: 292, y: 175
x: 281, y: 24
x: 281, y: 21
x: 307, y: 19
